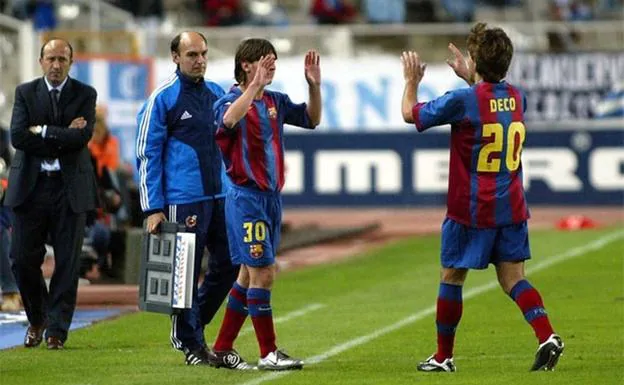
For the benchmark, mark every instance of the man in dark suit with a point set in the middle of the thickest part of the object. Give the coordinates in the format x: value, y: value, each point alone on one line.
x: 51, y: 187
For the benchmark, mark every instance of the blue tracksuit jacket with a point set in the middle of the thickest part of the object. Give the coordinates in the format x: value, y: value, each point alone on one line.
x: 177, y: 157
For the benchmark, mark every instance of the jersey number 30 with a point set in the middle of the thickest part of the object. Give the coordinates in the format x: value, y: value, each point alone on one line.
x: 486, y: 163
x: 254, y: 231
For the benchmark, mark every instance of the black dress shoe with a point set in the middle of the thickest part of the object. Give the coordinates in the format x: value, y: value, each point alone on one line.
x: 54, y: 343
x: 34, y: 336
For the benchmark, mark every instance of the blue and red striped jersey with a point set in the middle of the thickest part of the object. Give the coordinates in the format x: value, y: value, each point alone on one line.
x: 253, y: 150
x: 485, y: 187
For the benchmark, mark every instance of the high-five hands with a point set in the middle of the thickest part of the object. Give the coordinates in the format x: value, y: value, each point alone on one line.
x: 413, y: 69
x: 464, y: 68
x: 312, y: 68
x: 264, y: 71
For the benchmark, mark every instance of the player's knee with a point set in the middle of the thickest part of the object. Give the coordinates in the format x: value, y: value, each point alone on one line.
x: 505, y: 286
x: 509, y: 274
x: 243, y: 276
x: 453, y: 276
x: 508, y: 281
x: 262, y: 276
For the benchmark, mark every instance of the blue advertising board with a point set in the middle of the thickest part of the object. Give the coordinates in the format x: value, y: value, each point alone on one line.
x: 562, y: 167
x: 122, y: 84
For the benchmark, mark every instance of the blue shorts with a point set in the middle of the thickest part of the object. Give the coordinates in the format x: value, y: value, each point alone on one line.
x: 253, y: 220
x: 465, y: 247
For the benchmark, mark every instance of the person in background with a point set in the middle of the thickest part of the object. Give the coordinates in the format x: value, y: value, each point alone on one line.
x: 10, y: 300
x: 220, y: 13
x: 89, y: 266
x: 104, y: 148
x: 8, y: 287
x: 333, y: 11
x: 42, y: 13
x: 103, y: 145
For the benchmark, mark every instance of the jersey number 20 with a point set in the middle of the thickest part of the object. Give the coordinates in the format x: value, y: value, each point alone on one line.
x: 514, y: 148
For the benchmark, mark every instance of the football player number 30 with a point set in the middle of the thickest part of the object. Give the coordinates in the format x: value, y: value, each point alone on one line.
x: 254, y: 231
x: 514, y: 147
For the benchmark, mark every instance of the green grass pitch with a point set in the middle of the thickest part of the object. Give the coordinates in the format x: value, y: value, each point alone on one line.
x: 374, y: 320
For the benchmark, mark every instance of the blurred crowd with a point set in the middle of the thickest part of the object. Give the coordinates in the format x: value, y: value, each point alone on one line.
x: 274, y: 12
x: 10, y: 299
x: 104, y: 244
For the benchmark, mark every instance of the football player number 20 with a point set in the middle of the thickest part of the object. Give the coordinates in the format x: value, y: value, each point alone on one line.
x: 514, y: 140
x: 254, y: 231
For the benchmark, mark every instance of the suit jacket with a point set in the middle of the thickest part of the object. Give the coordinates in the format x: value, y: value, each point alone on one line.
x: 32, y: 107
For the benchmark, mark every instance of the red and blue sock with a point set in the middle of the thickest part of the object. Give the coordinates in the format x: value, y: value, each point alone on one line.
x: 448, y: 313
x: 259, y: 302
x: 530, y: 302
x: 235, y: 315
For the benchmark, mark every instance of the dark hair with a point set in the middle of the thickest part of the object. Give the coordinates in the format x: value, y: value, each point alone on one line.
x: 175, y: 43
x: 87, y: 260
x: 71, y: 49
x: 491, y: 50
x: 250, y: 50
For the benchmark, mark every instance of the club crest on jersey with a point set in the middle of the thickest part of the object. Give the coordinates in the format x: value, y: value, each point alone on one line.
x: 256, y: 251
x: 191, y: 221
x: 272, y: 111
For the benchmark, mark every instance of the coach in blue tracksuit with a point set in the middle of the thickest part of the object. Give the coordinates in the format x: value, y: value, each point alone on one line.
x: 180, y: 169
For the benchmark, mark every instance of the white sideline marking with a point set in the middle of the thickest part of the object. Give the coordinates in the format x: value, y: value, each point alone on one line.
x: 552, y: 260
x: 288, y: 316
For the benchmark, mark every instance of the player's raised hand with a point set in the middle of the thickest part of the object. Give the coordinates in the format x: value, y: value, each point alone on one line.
x: 413, y: 69
x: 464, y: 68
x: 264, y: 71
x: 312, y: 68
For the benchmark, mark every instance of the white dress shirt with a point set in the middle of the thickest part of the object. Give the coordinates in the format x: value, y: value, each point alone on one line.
x: 51, y: 164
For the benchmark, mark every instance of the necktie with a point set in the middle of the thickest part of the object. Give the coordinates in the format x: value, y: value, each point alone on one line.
x: 54, y: 95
